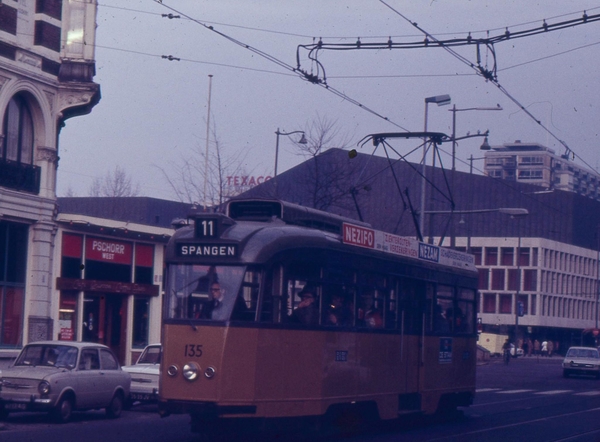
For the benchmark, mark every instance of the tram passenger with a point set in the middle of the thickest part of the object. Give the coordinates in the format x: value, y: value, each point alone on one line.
x: 307, y: 312
x: 338, y: 313
x: 370, y: 315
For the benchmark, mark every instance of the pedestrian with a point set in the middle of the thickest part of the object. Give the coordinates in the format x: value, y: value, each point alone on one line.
x: 536, y: 347
x: 556, y: 348
x: 550, y: 348
x: 525, y: 347
x: 545, y: 348
x: 529, y: 347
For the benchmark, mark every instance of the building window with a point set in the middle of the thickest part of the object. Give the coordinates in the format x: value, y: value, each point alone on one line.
x: 533, y: 305
x: 507, y: 256
x: 498, y: 279
x: 513, y: 279
x: 484, y: 279
x: 141, y: 313
x: 13, y: 261
x: 18, y: 132
x: 489, y: 303
x: 530, y: 280
x: 491, y: 256
x: 524, y: 256
x: 476, y: 251
x: 506, y: 304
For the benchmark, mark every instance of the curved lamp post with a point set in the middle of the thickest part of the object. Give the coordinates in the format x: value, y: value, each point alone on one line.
x: 301, y: 141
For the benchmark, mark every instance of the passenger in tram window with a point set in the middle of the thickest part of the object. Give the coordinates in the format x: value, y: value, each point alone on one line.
x: 440, y: 320
x: 369, y: 315
x: 307, y: 311
x: 218, y: 311
x: 338, y: 312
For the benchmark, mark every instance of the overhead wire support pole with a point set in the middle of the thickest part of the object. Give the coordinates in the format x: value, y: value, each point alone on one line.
x: 207, y: 142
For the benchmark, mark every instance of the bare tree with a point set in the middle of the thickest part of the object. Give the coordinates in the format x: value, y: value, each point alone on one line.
x: 115, y: 184
x: 327, y: 183
x: 186, y: 176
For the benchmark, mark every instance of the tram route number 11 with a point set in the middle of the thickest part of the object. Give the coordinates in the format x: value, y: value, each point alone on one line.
x: 206, y: 228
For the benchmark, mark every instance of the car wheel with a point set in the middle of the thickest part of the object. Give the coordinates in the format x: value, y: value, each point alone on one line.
x: 63, y: 411
x: 115, y: 407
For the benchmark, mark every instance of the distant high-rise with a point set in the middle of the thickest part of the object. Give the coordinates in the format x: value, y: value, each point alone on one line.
x: 533, y: 163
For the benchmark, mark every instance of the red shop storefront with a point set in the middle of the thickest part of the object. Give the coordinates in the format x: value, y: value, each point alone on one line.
x: 106, y: 288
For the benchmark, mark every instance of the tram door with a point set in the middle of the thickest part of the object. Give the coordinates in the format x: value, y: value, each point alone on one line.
x: 104, y: 321
x: 411, y: 296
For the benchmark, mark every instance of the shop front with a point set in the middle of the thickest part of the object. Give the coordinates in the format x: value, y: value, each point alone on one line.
x: 107, y: 294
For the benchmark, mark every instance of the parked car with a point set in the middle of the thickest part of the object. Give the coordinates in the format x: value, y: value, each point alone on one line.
x: 144, y: 375
x: 61, y: 376
x: 582, y: 360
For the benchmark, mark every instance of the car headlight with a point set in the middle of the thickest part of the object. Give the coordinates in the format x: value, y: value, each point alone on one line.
x: 44, y: 387
x: 190, y: 371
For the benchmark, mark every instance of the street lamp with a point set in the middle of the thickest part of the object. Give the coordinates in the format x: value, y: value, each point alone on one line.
x: 301, y: 141
x: 440, y: 100
x: 454, y: 110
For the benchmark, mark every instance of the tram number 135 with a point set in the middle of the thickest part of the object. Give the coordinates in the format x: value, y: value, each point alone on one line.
x: 193, y: 350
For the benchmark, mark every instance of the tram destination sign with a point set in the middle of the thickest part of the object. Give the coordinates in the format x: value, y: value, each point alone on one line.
x: 206, y: 250
x: 400, y: 245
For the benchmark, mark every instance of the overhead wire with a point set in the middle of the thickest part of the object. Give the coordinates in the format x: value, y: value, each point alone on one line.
x: 284, y: 65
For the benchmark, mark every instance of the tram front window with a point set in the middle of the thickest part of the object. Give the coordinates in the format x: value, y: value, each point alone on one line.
x: 204, y: 292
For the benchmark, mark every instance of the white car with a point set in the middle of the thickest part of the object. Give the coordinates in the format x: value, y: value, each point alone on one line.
x: 61, y: 376
x: 582, y: 360
x: 144, y: 375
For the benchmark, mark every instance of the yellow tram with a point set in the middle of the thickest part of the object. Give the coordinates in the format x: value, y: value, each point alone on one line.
x: 274, y: 310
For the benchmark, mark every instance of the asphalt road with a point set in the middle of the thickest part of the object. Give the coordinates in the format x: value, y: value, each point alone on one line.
x: 525, y: 400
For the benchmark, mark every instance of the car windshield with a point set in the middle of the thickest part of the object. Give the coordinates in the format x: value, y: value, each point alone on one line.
x: 582, y: 353
x: 202, y: 292
x: 49, y: 355
x: 150, y: 356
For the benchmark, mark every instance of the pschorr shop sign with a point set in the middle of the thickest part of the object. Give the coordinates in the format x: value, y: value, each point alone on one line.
x: 403, y: 246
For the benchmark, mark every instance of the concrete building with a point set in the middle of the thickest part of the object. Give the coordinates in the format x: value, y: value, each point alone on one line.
x: 46, y: 76
x: 533, y: 163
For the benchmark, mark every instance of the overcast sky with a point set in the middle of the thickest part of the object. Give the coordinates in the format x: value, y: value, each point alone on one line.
x: 153, y: 110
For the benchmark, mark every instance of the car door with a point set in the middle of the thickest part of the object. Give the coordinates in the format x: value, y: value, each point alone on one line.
x: 92, y: 389
x: 110, y: 372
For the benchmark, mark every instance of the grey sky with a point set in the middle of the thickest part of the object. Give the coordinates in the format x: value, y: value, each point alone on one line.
x: 153, y: 110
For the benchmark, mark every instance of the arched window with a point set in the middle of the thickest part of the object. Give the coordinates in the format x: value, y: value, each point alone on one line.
x: 18, y: 132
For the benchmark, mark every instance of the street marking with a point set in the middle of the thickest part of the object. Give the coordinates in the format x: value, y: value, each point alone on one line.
x: 514, y: 391
x: 588, y: 393
x: 554, y: 392
x: 483, y: 390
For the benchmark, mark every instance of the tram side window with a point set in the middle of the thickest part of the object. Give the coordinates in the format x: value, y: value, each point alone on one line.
x: 244, y: 308
x: 443, y: 310
x: 370, y: 308
x: 338, y: 305
x: 466, y: 305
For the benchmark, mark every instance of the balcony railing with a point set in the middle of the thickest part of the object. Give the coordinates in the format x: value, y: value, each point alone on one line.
x: 18, y: 176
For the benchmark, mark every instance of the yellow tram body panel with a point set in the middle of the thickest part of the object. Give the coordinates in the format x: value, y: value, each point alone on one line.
x: 287, y: 373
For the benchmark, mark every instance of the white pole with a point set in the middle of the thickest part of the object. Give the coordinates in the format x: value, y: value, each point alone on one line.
x: 207, y: 139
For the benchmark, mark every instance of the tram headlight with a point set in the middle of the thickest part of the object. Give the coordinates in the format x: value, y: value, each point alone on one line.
x: 190, y: 371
